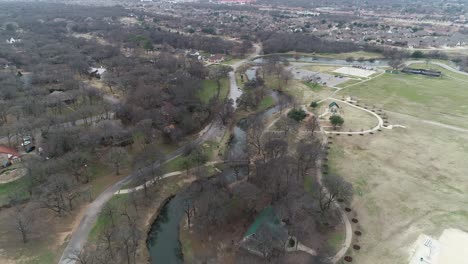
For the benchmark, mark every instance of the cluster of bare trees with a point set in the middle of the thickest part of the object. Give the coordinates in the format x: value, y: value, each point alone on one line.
x: 117, y: 242
x: 233, y: 203
x: 274, y: 42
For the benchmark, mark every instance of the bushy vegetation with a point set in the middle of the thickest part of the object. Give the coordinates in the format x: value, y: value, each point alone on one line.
x: 297, y: 114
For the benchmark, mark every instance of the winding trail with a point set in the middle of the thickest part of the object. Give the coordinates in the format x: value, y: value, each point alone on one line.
x: 344, y: 217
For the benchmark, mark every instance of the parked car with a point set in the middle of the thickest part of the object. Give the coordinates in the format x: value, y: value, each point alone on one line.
x: 6, y: 164
x: 25, y: 143
x: 30, y: 148
x: 27, y: 138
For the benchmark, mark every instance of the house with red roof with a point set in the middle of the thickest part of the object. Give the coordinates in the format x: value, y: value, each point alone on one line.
x: 8, y: 154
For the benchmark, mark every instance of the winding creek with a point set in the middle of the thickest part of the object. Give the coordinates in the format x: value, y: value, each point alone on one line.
x: 163, y: 239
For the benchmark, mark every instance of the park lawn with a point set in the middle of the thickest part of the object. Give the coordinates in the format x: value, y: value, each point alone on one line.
x: 406, y: 182
x: 314, y: 86
x: 304, y: 94
x: 210, y: 89
x: 103, y: 221
x: 439, y: 99
x: 177, y: 164
x: 18, y: 187
x: 266, y: 103
x: 348, y: 83
x: 354, y: 119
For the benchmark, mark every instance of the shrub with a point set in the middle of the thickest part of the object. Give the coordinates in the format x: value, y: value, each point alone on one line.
x: 313, y: 104
x: 336, y: 120
x: 297, y: 114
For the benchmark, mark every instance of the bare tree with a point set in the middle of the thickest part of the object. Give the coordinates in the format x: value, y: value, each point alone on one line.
x: 306, y: 156
x: 333, y: 187
x: 254, y: 135
x: 117, y: 156
x: 275, y: 148
x: 23, y: 220
x: 225, y: 111
x: 337, y: 188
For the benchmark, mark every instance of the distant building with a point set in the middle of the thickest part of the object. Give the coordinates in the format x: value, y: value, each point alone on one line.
x: 8, y: 155
x: 217, y: 58
x: 96, y: 72
x: 13, y: 41
x: 334, y: 108
x: 57, y: 97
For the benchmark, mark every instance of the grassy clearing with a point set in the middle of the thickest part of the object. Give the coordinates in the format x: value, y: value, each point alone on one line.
x: 355, y: 119
x: 18, y: 187
x: 210, y: 89
x: 43, y: 257
x: 438, y: 99
x: 103, y: 221
x: 177, y: 164
x: 407, y: 182
x: 348, y: 83
x: 267, y: 102
x: 314, y: 86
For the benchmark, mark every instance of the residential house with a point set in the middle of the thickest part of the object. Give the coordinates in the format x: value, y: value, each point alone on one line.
x: 96, y: 72
x: 216, y: 58
x: 8, y: 155
x: 13, y: 41
x: 57, y: 97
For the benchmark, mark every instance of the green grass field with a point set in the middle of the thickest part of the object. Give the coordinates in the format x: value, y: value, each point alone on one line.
x: 177, y: 164
x: 104, y: 221
x: 348, y: 83
x: 266, y: 103
x: 18, y: 187
x: 210, y: 89
x: 438, y: 99
x: 314, y: 86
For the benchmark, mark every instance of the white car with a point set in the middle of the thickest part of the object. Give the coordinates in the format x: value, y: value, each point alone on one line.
x: 25, y: 143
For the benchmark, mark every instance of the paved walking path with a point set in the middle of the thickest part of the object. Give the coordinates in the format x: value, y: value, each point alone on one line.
x: 153, y: 181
